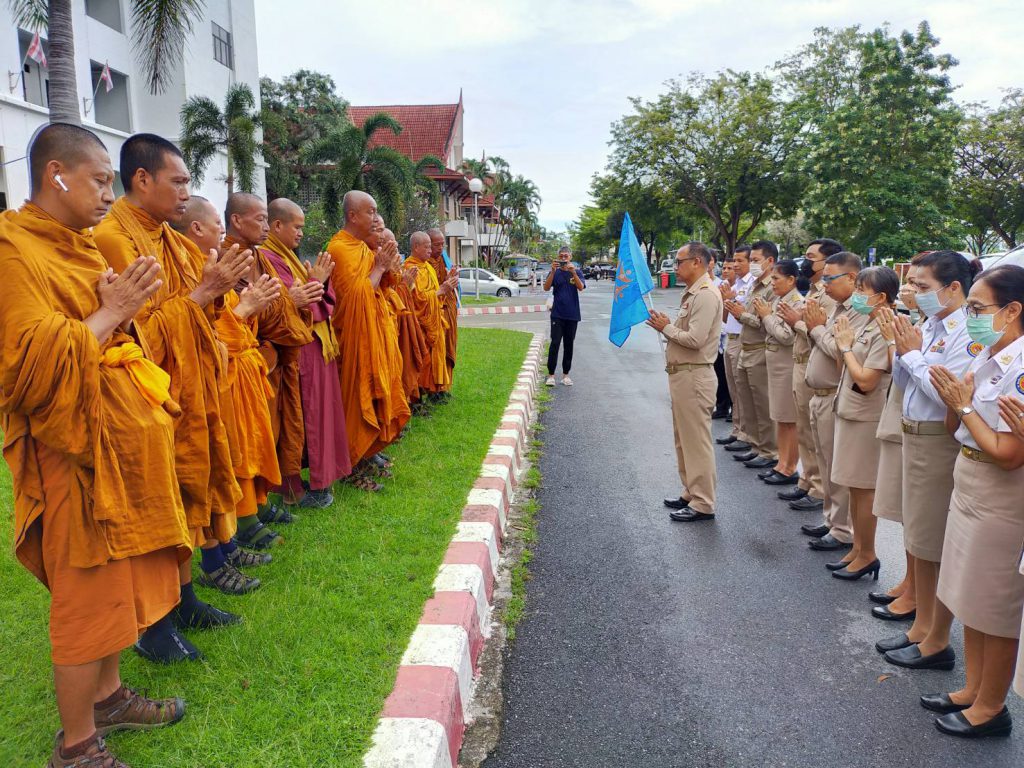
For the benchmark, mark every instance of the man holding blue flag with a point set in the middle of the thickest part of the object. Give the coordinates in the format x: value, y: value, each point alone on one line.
x: 690, y: 357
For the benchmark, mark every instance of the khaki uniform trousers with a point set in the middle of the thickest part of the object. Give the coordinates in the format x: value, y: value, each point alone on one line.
x: 836, y: 498
x: 810, y: 473
x: 732, y: 364
x: 693, y: 400
x: 752, y: 378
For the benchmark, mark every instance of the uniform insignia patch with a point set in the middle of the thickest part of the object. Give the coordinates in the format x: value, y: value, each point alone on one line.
x: 974, y: 348
x: 1020, y: 383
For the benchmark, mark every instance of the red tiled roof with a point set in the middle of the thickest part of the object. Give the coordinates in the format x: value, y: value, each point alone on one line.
x: 484, y: 200
x: 427, y: 129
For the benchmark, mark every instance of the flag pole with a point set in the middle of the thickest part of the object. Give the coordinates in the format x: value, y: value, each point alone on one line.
x: 661, y: 336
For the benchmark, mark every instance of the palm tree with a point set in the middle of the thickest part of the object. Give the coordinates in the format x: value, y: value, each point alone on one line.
x: 206, y: 130
x: 352, y: 161
x: 159, y: 30
x: 517, y: 201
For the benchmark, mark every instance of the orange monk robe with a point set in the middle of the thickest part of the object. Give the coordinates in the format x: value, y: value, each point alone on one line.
x: 251, y: 394
x: 183, y: 342
x: 283, y: 329
x: 370, y: 365
x: 435, y: 375
x: 89, y: 439
x: 411, y: 341
x: 450, y: 303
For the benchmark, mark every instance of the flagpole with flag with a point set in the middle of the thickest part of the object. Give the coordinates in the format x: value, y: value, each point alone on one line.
x: 633, y: 283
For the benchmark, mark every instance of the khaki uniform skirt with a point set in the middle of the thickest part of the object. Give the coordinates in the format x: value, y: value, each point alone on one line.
x: 889, y: 480
x: 1018, y: 684
x: 928, y: 462
x: 980, y: 580
x: 856, y: 453
x: 781, y: 405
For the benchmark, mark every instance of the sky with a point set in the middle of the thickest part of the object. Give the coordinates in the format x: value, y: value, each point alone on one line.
x: 543, y: 80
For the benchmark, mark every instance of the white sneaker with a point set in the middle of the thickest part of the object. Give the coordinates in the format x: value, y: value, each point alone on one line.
x: 549, y: 381
x: 567, y: 381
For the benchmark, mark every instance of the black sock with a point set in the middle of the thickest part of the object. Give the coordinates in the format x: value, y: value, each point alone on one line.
x: 189, y: 602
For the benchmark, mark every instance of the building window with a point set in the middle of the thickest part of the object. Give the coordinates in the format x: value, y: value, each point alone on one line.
x: 223, y: 51
x: 106, y: 12
x: 110, y: 107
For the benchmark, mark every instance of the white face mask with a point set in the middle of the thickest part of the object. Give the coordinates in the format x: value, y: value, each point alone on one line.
x: 756, y: 269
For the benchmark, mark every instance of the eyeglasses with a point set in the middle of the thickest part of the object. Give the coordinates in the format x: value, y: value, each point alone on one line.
x: 833, y: 278
x: 974, y: 310
x: 689, y: 258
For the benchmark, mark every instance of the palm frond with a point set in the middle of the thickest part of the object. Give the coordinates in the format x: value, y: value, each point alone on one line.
x: 202, y: 134
x: 379, y: 122
x: 33, y: 15
x: 238, y: 102
x: 159, y: 31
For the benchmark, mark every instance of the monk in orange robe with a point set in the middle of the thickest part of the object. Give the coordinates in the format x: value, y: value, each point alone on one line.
x: 283, y: 328
x: 450, y: 304
x: 370, y: 365
x: 178, y: 324
x: 427, y: 298
x: 89, y: 438
x: 323, y: 415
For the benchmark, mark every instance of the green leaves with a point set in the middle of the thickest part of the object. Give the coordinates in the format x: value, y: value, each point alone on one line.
x: 159, y: 31
x: 206, y: 130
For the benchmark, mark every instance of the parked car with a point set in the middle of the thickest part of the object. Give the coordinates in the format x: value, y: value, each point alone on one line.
x: 1013, y: 256
x: 490, y: 284
x: 668, y: 265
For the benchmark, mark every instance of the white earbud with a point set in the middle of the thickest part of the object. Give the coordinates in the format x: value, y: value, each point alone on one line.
x: 60, y: 182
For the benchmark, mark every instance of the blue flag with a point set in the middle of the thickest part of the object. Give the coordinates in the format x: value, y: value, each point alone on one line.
x: 458, y: 288
x: 632, y: 282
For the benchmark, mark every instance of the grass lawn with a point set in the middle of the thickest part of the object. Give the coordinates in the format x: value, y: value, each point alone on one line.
x: 473, y: 301
x: 302, y: 680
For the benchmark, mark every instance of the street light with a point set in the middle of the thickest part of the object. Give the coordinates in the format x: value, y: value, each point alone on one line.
x: 476, y: 187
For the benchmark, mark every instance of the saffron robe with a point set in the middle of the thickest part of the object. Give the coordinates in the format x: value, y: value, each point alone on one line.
x: 327, y: 452
x: 183, y: 342
x: 435, y: 376
x: 370, y: 365
x: 450, y: 303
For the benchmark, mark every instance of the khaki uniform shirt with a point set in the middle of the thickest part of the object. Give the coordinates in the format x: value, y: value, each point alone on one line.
x: 824, y: 368
x: 778, y: 333
x: 802, y: 342
x: 872, y: 351
x: 693, y: 337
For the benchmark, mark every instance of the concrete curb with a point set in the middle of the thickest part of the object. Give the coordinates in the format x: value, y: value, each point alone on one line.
x: 424, y: 718
x: 514, y: 309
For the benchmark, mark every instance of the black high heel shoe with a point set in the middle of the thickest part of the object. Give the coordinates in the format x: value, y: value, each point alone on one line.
x: 837, y: 566
x: 871, y: 569
x: 882, y: 598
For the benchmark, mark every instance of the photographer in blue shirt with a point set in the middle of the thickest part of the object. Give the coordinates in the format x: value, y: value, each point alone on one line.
x: 565, y: 281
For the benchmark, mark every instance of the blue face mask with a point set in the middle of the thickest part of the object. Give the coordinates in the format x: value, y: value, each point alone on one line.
x: 859, y: 302
x: 980, y: 330
x: 929, y: 303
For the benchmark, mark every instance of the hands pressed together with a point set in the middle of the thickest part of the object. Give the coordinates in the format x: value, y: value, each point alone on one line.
x: 122, y: 296
x: 257, y: 296
x: 658, y: 320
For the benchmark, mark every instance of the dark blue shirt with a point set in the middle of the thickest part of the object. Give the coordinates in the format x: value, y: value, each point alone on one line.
x: 566, y: 302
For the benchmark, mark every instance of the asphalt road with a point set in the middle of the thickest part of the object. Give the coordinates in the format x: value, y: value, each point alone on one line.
x: 652, y: 643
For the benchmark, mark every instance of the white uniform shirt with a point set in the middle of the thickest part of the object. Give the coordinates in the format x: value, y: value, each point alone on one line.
x: 944, y: 343
x: 1002, y: 374
x: 742, y: 287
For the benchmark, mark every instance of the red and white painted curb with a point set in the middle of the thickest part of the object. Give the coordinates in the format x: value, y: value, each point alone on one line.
x: 424, y: 718
x: 513, y: 309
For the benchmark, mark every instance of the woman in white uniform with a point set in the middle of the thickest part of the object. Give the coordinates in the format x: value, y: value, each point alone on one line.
x: 979, y: 581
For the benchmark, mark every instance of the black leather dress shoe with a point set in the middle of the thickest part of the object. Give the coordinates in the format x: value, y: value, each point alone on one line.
x: 807, y: 504
x: 747, y: 456
x: 941, y: 703
x: 738, y: 446
x: 793, y: 494
x: 871, y: 569
x: 777, y: 478
x: 677, y: 503
x: 720, y: 414
x: 893, y: 643
x: 828, y: 543
x: 956, y: 724
x: 765, y: 474
x: 689, y: 515
x: 911, y: 658
x: 817, y: 531
x: 882, y: 598
x: 882, y: 612
x: 760, y: 463
x: 726, y: 440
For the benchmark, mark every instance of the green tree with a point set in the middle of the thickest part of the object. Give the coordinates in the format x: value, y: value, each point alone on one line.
x: 206, y: 130
x: 720, y: 145
x: 656, y: 217
x: 589, y: 235
x: 878, y: 126
x: 301, y: 108
x: 988, y: 185
x: 159, y: 31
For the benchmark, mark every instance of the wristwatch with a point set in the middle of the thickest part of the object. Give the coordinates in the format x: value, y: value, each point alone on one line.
x: 844, y: 350
x: 965, y: 411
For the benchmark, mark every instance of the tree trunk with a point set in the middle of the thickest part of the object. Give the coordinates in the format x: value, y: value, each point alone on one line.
x: 230, y: 177
x: 63, y: 92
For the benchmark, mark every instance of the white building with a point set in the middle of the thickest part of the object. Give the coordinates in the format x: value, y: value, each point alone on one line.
x: 220, y: 51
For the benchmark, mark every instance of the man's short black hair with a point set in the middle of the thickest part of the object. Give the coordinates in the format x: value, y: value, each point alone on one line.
x: 741, y: 249
x: 846, y: 259
x: 767, y: 247
x: 696, y: 248
x: 827, y: 246
x: 64, y: 142
x: 145, y: 151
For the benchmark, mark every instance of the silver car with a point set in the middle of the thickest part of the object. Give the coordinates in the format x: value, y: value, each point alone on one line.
x: 490, y: 284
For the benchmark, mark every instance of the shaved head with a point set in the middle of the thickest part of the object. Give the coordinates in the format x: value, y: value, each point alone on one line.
x: 418, y: 238
x: 389, y: 235
x: 245, y: 216
x: 201, y: 224
x: 360, y: 214
x: 67, y: 144
x: 241, y: 203
x: 436, y: 242
x: 283, y: 209
x: 196, y: 209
